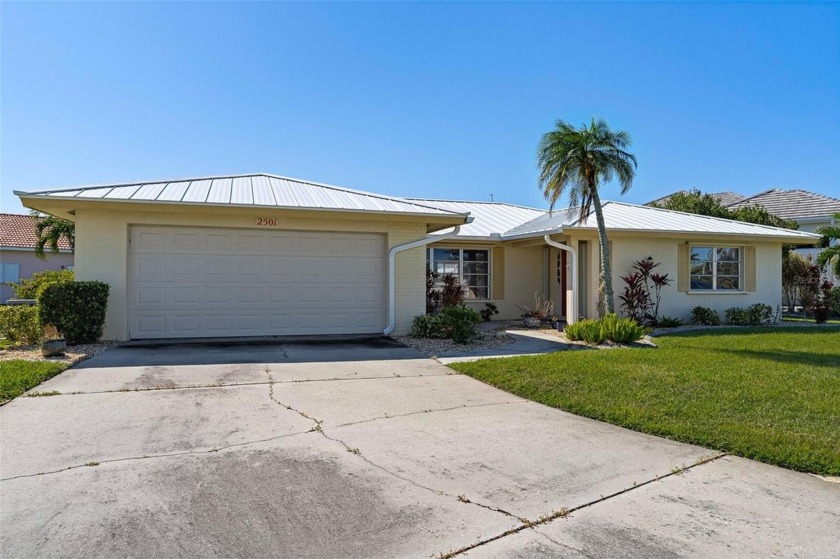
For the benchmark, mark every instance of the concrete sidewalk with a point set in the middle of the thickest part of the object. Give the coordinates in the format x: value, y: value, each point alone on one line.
x: 357, y: 450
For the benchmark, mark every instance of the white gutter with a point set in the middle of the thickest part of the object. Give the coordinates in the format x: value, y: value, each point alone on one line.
x: 572, y: 312
x: 392, y: 311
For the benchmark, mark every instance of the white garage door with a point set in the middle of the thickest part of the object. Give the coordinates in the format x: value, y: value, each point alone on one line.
x: 187, y: 282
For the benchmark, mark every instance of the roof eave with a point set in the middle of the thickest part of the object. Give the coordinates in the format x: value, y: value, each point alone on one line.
x: 456, y: 218
x: 800, y: 238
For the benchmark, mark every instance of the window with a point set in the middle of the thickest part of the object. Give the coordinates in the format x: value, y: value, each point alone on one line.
x: 716, y: 268
x: 9, y: 273
x: 472, y: 267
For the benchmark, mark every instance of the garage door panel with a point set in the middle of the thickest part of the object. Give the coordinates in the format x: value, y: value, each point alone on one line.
x: 194, y: 282
x: 185, y: 295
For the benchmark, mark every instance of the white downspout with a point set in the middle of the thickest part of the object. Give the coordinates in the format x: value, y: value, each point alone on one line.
x: 392, y: 311
x: 572, y: 314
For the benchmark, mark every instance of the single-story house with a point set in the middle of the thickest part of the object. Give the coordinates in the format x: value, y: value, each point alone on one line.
x: 262, y: 255
x: 17, y: 253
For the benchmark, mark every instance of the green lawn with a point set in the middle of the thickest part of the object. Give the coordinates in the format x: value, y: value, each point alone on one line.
x: 768, y: 394
x: 18, y: 376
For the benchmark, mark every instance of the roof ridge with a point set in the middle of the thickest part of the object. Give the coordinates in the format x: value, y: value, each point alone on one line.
x: 475, y: 202
x: 353, y: 191
x: 746, y: 198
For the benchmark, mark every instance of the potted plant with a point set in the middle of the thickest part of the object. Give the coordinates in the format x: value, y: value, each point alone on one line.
x: 52, y: 344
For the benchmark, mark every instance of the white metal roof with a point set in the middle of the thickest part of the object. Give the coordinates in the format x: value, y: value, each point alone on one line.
x: 248, y: 190
x: 620, y: 216
x: 490, y: 219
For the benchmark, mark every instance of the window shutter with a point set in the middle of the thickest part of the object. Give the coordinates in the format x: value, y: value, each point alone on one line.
x: 683, y: 271
x: 749, y: 268
x: 498, y: 273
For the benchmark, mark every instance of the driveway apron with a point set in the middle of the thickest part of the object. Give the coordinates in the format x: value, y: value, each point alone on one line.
x: 365, y: 449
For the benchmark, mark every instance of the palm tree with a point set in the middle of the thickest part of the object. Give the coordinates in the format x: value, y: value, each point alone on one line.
x: 831, y: 241
x: 577, y: 161
x: 50, y: 230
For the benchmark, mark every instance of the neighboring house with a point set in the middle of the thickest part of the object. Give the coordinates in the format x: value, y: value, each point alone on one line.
x: 17, y: 252
x: 811, y: 210
x: 258, y: 255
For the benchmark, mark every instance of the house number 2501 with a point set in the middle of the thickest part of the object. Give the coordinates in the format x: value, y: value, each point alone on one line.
x: 267, y: 221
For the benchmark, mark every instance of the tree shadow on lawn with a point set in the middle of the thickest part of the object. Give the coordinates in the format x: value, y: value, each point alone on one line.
x: 792, y: 357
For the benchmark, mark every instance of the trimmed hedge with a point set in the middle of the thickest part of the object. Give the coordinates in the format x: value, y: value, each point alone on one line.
x: 77, y: 309
x: 20, y: 323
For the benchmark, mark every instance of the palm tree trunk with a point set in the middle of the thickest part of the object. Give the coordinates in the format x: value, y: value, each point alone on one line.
x: 605, y: 277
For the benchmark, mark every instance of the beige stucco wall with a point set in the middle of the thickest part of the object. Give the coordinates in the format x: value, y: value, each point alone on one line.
x: 102, y: 251
x: 524, y: 274
x: 29, y: 264
x: 679, y: 304
x: 522, y: 270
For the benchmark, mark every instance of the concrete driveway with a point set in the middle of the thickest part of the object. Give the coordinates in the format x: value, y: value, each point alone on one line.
x: 365, y: 449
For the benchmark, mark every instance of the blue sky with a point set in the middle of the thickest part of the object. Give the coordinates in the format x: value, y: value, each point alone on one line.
x: 417, y: 99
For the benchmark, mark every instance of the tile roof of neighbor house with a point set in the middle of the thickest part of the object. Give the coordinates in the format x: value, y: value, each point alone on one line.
x: 247, y: 190
x: 18, y: 231
x: 792, y: 204
x: 725, y: 198
x: 619, y: 216
x: 489, y: 217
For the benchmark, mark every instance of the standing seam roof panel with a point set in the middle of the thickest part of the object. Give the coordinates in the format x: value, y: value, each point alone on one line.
x: 282, y: 195
x: 95, y: 192
x: 174, y: 191
x: 123, y: 192
x: 263, y: 195
x: 149, y: 191
x: 220, y: 191
x: 240, y: 191
x: 197, y: 192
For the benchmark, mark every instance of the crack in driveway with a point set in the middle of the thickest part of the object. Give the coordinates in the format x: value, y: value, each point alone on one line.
x: 563, y: 513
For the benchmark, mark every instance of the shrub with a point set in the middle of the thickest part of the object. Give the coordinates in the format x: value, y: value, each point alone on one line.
x: 753, y: 315
x: 20, y: 323
x: 834, y: 299
x: 455, y: 323
x: 32, y: 288
x: 459, y: 323
x: 705, y: 316
x: 488, y: 311
x: 452, y: 292
x: 612, y: 327
x: 543, y: 308
x: 427, y: 326
x: 442, y: 291
x: 77, y: 309
x: 621, y: 330
x: 639, y: 300
x: 668, y: 322
x: 821, y: 305
x: 587, y: 330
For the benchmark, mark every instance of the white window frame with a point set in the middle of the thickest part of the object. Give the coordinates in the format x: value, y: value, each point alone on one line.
x: 5, y: 275
x: 714, y: 262
x: 430, y: 261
